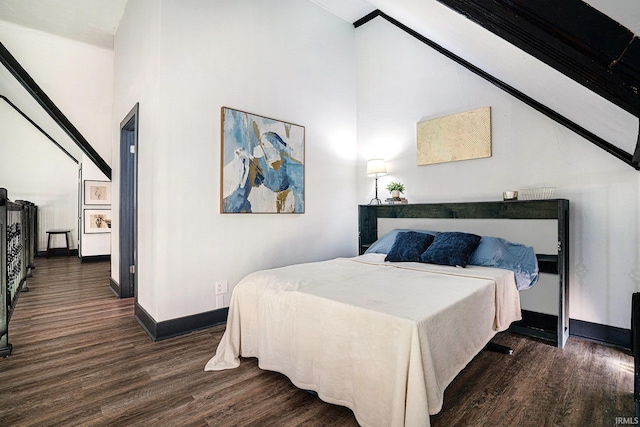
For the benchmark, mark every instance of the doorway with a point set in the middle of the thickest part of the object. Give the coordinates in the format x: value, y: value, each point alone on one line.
x: 128, y: 204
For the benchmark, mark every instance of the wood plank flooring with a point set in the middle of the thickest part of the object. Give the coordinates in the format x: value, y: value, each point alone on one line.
x: 80, y: 358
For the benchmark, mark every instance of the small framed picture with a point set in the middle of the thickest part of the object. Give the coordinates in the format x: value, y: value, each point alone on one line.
x: 97, y: 221
x: 97, y: 192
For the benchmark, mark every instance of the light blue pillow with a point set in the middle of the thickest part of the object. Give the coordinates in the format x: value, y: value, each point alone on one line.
x: 384, y: 244
x: 497, y: 252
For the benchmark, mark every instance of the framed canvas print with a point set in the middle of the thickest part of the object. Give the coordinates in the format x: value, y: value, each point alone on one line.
x: 262, y: 164
x: 97, y: 192
x: 461, y: 136
x: 97, y: 221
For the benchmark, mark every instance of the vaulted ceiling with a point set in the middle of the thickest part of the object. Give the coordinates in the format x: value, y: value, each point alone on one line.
x: 572, y: 37
x: 89, y: 21
x: 594, y: 44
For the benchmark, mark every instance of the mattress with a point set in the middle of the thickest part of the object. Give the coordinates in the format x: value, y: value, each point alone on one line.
x: 383, y: 339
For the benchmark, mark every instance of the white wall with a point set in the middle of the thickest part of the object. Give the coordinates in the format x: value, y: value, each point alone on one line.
x: 79, y: 79
x: 286, y: 59
x: 137, y: 67
x: 32, y: 168
x: 92, y: 244
x: 496, y: 56
x: 401, y: 82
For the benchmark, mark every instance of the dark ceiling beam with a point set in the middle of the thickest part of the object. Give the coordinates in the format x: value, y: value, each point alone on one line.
x: 631, y: 160
x: 47, y: 104
x: 570, y: 36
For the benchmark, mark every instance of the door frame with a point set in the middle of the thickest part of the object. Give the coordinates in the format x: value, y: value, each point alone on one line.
x: 128, y: 212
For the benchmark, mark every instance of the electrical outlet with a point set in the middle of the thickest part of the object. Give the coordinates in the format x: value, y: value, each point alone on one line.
x: 222, y: 287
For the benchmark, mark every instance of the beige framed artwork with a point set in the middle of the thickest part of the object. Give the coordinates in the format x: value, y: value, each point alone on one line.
x: 97, y: 192
x: 97, y: 221
x: 461, y: 136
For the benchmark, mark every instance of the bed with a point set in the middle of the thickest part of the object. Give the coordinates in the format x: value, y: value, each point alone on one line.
x: 381, y: 338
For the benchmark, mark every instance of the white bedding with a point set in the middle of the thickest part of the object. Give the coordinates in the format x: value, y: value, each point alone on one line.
x: 382, y: 339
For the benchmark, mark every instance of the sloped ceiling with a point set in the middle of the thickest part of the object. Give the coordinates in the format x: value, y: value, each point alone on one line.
x: 349, y: 10
x: 89, y: 21
x: 627, y: 13
x: 19, y: 98
x: 611, y: 125
x: 24, y: 90
x: 572, y: 37
x: 96, y: 21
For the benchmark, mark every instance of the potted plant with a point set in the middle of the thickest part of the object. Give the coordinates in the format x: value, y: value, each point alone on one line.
x: 396, y: 189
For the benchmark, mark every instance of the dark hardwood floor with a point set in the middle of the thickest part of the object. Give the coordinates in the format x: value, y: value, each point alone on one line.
x: 80, y: 358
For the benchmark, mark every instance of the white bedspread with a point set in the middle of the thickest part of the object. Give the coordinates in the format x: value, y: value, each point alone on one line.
x: 382, y: 339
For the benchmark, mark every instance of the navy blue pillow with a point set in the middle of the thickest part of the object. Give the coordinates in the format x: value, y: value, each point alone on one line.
x: 383, y: 244
x: 409, y: 246
x: 451, y: 248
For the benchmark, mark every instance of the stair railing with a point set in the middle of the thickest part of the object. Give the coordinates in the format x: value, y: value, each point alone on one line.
x: 17, y: 229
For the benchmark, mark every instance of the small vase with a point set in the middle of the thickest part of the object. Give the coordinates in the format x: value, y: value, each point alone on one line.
x: 395, y: 194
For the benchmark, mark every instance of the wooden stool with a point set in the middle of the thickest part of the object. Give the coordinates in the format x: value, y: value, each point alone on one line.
x: 52, y: 232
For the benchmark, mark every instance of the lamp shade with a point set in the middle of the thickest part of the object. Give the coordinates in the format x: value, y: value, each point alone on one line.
x: 376, y: 167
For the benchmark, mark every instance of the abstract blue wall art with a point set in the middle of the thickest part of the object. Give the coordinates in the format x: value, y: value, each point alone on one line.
x: 262, y: 164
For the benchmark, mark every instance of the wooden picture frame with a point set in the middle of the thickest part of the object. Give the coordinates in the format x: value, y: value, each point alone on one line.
x: 262, y: 164
x: 97, y: 221
x: 97, y: 192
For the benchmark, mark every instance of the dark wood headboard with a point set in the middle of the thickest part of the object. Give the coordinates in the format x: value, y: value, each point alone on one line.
x: 554, y: 209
